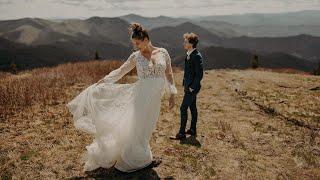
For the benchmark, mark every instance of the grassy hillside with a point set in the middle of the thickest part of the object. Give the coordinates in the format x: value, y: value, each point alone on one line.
x: 252, y: 125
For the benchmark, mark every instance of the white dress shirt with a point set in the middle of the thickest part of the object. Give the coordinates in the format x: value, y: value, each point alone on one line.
x: 190, y: 51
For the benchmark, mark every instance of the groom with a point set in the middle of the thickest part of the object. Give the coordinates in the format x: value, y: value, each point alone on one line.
x: 193, y: 73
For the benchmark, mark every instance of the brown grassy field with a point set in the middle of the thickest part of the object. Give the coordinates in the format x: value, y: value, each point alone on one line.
x: 251, y: 125
x: 48, y: 85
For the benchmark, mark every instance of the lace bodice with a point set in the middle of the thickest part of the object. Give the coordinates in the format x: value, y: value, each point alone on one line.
x: 159, y: 67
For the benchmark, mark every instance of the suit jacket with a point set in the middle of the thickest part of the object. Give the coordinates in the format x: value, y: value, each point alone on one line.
x: 193, y: 71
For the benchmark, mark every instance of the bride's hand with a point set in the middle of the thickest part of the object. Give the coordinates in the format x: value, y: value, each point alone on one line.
x: 171, y: 101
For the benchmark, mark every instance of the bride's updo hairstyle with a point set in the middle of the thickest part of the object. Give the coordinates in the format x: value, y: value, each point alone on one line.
x: 138, y: 32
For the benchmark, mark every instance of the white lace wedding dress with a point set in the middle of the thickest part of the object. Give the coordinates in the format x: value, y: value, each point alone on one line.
x: 122, y: 117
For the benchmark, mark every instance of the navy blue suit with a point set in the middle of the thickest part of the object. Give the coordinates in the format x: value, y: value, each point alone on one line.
x: 193, y: 74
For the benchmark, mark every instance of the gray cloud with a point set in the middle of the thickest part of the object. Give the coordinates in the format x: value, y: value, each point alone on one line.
x: 84, y: 8
x: 5, y: 2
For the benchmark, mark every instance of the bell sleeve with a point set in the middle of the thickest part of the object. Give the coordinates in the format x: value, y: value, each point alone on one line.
x: 170, y: 87
x: 126, y: 67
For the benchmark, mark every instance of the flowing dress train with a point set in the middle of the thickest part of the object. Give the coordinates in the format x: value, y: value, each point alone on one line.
x: 122, y: 117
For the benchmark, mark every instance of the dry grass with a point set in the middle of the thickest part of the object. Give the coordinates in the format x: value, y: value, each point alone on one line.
x: 238, y: 138
x: 284, y: 70
x: 46, y: 86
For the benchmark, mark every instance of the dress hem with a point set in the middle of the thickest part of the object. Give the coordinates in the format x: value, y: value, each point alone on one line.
x: 133, y: 170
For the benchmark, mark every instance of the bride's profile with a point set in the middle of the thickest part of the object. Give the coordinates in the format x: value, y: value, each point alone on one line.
x: 122, y: 117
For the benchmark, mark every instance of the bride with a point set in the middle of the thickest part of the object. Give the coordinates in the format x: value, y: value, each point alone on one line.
x: 122, y: 116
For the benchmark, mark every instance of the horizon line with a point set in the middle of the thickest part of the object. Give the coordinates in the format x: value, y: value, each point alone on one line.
x: 186, y: 16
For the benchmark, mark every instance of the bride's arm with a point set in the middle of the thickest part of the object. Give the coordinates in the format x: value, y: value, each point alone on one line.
x: 117, y: 74
x: 170, y: 84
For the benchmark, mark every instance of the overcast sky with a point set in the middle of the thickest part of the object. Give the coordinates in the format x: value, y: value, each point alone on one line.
x: 12, y: 9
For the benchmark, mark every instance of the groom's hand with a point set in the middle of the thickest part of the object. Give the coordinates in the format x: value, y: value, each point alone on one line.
x: 190, y: 89
x: 171, y: 101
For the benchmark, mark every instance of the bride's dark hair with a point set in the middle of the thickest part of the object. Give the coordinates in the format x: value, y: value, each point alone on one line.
x: 138, y: 32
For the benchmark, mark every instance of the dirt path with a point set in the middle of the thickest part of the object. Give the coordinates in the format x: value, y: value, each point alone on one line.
x: 238, y: 139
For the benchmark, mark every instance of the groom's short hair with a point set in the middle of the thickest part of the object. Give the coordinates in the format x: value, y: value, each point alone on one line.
x: 192, y: 39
